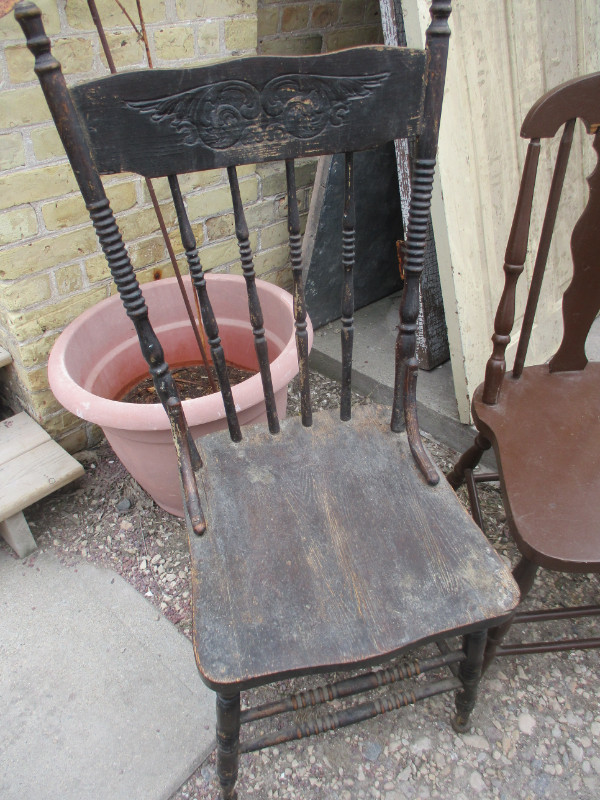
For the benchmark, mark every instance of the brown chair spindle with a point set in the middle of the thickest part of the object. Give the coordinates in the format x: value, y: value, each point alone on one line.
x: 208, y: 318
x: 558, y: 179
x: 348, y: 256
x: 514, y: 259
x: 256, y: 316
x: 299, y: 301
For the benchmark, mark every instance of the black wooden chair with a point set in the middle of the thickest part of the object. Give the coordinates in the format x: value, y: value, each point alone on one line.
x: 316, y: 545
x: 544, y: 420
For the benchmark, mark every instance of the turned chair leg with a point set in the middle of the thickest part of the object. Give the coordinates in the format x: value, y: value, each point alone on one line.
x: 228, y: 742
x: 470, y: 674
x: 468, y: 460
x: 524, y: 574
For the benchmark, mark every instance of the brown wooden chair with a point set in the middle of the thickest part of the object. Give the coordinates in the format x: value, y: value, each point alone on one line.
x: 316, y: 545
x: 544, y: 421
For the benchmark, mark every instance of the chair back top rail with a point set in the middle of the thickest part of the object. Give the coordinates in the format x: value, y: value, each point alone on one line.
x: 163, y: 122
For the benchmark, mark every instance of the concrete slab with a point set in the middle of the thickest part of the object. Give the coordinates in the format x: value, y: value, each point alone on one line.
x: 373, y: 371
x: 99, y: 693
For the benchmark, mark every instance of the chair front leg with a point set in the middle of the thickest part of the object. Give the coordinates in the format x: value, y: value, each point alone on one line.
x: 524, y: 574
x: 228, y: 743
x: 470, y: 674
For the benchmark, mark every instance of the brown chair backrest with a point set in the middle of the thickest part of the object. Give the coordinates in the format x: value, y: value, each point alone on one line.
x: 562, y: 106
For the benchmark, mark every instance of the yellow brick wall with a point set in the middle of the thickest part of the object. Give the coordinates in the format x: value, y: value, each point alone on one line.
x: 51, y: 268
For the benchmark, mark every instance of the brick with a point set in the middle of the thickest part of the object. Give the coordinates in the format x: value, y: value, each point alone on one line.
x: 352, y: 11
x: 22, y: 294
x: 209, y: 38
x: 294, y: 18
x: 274, y: 235
x: 293, y: 46
x: 267, y: 22
x: 159, y: 272
x: 267, y: 260
x: 75, y: 55
x: 96, y: 268
x: 23, y: 107
x: 39, y: 183
x: 69, y: 279
x: 29, y: 258
x: 187, y: 183
x: 282, y: 278
x: 195, y: 9
x: 175, y: 237
x: 218, y: 255
x: 73, y: 441
x: 70, y: 211
x: 221, y: 227
x: 10, y: 29
x: 29, y: 324
x: 136, y: 224
x: 35, y: 380
x: 126, y: 49
x: 47, y: 144
x: 37, y: 352
x: 78, y: 15
x: 16, y: 224
x: 214, y: 201
x: 324, y: 15
x: 12, y: 152
x: 42, y: 404
x: 240, y: 34
x: 174, y: 44
x: 352, y: 37
x: 147, y: 252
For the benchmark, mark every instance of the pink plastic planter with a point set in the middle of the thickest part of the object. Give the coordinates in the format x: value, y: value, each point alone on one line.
x: 97, y: 358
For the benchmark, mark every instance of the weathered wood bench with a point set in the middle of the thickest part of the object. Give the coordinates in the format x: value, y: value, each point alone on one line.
x: 32, y: 466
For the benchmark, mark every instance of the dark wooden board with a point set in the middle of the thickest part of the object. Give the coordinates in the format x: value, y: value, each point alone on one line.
x: 378, y: 227
x: 325, y: 548
x: 162, y: 122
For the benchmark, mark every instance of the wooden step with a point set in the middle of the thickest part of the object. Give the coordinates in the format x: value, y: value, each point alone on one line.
x: 4, y: 357
x: 32, y: 466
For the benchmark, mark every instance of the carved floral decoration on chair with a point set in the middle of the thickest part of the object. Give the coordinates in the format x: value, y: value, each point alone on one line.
x: 234, y: 112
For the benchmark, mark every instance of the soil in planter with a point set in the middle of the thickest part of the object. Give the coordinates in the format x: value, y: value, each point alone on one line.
x: 192, y: 382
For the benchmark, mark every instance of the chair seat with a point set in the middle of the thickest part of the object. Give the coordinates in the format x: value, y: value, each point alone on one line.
x: 330, y: 552
x: 551, y: 488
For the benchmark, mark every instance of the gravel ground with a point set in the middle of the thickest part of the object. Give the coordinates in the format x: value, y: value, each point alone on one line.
x: 535, y: 731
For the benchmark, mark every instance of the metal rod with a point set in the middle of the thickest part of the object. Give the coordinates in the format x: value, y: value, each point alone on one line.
x: 351, y: 686
x: 348, y: 256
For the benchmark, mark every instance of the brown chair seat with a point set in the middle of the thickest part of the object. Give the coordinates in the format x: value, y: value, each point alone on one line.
x: 552, y: 487
x: 355, y: 565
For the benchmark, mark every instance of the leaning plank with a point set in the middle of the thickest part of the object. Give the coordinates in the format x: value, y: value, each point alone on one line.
x: 33, y: 475
x: 4, y: 357
x: 15, y: 532
x: 19, y: 434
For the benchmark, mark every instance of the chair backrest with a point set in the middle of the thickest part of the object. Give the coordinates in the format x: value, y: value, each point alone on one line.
x: 167, y: 122
x: 561, y: 107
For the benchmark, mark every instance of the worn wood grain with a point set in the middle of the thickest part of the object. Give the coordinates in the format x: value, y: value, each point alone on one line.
x: 351, y: 565
x: 163, y: 122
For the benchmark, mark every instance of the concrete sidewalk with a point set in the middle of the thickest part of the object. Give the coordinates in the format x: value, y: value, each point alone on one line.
x: 100, y: 694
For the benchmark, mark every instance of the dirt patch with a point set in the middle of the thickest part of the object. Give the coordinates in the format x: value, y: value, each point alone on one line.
x: 192, y: 382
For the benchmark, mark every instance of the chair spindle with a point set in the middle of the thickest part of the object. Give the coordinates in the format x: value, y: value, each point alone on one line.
x: 348, y: 258
x: 299, y: 301
x: 437, y: 36
x: 558, y: 178
x: 63, y: 112
x: 256, y: 316
x: 208, y: 318
x: 514, y: 259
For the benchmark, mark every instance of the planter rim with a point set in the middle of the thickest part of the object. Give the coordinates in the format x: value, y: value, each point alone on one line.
x: 118, y: 415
